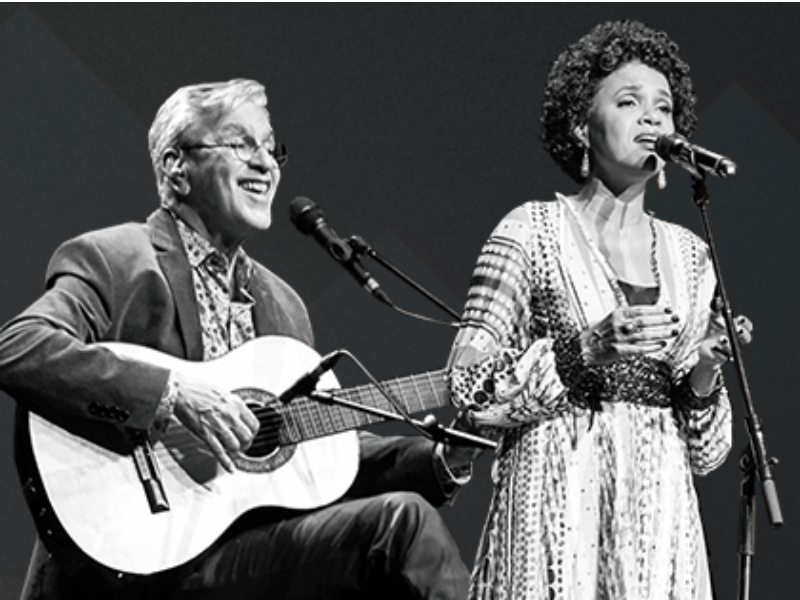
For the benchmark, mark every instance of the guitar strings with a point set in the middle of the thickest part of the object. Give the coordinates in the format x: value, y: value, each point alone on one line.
x: 305, y: 418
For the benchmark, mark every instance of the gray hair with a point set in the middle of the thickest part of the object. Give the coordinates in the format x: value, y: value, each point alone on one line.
x: 188, y: 106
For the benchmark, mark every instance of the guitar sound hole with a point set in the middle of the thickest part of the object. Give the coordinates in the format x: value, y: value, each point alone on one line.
x: 267, y: 440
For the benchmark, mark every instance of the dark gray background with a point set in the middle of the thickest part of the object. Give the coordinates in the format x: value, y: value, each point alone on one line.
x: 417, y: 128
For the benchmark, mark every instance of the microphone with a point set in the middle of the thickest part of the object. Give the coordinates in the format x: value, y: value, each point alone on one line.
x: 309, y: 220
x: 306, y: 384
x: 676, y: 148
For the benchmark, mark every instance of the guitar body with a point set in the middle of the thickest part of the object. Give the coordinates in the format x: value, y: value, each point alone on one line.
x: 98, y: 497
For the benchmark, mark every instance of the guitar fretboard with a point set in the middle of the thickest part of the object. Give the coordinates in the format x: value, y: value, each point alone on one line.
x: 306, y: 419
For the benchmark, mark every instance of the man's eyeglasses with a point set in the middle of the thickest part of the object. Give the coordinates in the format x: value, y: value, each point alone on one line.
x: 246, y: 149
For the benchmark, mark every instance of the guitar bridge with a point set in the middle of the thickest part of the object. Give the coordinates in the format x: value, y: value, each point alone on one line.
x: 150, y: 476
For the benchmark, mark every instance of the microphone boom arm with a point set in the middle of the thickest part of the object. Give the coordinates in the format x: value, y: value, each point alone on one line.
x: 360, y: 246
x: 429, y: 425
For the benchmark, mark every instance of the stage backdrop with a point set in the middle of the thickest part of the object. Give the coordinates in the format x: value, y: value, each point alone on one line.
x: 415, y: 127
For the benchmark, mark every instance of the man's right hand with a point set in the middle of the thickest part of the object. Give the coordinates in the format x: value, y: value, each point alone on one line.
x: 222, y: 420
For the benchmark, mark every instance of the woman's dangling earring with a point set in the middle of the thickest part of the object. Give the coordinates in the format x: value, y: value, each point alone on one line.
x: 662, y: 179
x: 585, y: 168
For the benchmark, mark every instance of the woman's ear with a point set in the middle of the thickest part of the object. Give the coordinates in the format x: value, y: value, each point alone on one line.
x: 174, y: 164
x: 581, y: 133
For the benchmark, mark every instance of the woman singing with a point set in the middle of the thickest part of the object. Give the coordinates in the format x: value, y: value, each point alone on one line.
x: 591, y: 344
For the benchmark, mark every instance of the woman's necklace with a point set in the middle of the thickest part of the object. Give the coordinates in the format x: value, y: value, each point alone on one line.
x: 612, y: 278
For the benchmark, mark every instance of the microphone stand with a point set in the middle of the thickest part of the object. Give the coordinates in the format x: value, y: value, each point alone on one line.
x: 429, y: 424
x: 360, y: 246
x: 754, y: 459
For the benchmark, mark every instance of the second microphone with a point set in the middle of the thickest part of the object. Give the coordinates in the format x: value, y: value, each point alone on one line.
x: 310, y: 220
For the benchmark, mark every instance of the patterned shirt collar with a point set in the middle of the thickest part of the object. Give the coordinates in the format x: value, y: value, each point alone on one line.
x: 201, y: 252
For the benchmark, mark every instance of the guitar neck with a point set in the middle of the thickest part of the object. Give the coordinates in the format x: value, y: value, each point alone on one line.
x: 305, y: 418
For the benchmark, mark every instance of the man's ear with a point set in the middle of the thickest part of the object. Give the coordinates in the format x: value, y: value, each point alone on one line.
x: 173, y: 162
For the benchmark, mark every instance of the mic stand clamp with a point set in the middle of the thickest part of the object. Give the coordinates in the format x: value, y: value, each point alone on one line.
x: 430, y: 425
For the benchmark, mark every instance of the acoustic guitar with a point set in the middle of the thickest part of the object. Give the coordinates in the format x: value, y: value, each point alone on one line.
x: 305, y: 455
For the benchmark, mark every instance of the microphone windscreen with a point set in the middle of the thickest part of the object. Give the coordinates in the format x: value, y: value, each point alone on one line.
x: 665, y: 146
x: 304, y: 214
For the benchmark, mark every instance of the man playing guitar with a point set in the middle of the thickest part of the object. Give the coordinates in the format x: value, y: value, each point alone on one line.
x: 118, y: 370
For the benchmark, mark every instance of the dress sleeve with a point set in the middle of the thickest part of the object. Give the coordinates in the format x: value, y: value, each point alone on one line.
x: 705, y: 420
x: 497, y: 370
x: 708, y: 434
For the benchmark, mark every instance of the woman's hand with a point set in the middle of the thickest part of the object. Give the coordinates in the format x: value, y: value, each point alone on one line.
x: 715, y: 349
x: 628, y: 331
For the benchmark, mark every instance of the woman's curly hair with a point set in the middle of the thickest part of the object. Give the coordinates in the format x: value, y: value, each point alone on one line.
x: 577, y: 72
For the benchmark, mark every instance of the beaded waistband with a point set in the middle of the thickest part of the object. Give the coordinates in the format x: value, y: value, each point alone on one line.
x: 639, y: 380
